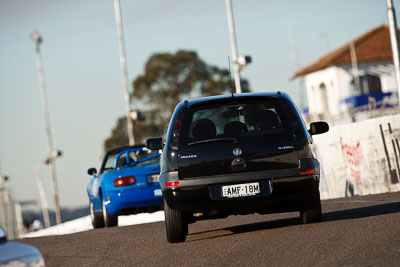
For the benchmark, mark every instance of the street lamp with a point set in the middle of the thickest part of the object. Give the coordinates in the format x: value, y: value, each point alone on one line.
x: 129, y: 122
x: 6, y: 219
x: 238, y: 63
x: 244, y: 61
x: 37, y: 39
x: 54, y: 154
x: 394, y: 41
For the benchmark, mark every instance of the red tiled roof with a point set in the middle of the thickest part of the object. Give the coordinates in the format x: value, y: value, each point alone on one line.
x: 370, y: 47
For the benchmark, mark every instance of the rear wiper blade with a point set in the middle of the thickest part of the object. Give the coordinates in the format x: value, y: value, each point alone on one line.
x: 212, y: 140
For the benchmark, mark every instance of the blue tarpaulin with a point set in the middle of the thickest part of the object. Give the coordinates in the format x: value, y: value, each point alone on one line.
x: 387, y: 99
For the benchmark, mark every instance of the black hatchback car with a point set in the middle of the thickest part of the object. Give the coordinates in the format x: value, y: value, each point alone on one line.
x: 237, y: 154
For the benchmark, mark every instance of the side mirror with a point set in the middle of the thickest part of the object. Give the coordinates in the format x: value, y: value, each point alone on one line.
x: 154, y: 143
x: 3, y: 236
x: 318, y: 127
x: 92, y: 171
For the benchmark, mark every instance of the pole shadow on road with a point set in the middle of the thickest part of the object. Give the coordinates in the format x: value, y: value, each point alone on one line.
x: 347, y: 214
x: 363, y: 212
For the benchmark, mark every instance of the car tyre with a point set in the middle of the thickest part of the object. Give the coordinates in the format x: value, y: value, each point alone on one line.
x: 110, y: 220
x: 311, y: 211
x: 175, y: 225
x: 97, y: 217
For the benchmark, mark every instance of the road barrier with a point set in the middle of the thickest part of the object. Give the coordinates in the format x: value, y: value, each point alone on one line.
x: 360, y: 158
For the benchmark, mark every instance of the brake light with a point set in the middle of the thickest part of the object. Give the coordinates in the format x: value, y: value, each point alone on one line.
x: 124, y: 181
x: 172, y: 184
x: 178, y: 124
x: 308, y: 171
x: 176, y: 130
x: 306, y: 152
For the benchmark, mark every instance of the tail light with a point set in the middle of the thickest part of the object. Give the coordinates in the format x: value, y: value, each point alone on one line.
x: 306, y: 152
x: 172, y: 184
x: 176, y: 130
x: 308, y: 171
x: 124, y: 181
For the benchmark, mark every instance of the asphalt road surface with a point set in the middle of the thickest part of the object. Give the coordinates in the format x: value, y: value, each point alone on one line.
x: 357, y: 231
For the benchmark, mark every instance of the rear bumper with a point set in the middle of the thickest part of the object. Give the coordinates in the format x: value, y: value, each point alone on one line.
x: 282, y: 190
x: 120, y: 200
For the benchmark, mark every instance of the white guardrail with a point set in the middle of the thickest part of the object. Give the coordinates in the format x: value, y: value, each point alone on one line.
x: 360, y: 158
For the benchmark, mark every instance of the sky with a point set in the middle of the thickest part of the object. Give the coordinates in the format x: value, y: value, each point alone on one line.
x: 83, y: 74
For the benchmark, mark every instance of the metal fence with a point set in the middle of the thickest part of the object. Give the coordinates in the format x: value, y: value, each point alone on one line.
x: 372, y: 110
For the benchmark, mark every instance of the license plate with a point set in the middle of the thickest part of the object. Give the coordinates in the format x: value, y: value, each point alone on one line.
x: 240, y: 190
x: 153, y: 178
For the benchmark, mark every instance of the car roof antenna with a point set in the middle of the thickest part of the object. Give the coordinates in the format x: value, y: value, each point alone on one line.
x: 230, y: 77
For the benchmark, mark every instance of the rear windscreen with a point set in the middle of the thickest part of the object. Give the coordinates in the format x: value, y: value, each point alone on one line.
x: 136, y: 158
x: 241, y: 120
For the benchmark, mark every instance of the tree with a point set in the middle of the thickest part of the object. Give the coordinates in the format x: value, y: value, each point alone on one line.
x: 167, y: 80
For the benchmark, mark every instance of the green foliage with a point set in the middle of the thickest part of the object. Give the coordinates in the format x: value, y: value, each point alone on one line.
x: 167, y: 80
x: 119, y: 136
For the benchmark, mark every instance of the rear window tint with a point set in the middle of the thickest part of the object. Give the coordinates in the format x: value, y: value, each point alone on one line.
x: 245, y: 119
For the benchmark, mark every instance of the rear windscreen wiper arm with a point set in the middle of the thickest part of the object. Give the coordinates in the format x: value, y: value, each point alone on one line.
x: 223, y: 139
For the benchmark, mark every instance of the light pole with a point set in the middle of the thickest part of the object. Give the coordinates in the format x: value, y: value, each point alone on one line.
x: 52, y: 152
x: 3, y: 208
x: 129, y: 121
x: 42, y: 198
x: 238, y: 63
x: 394, y: 40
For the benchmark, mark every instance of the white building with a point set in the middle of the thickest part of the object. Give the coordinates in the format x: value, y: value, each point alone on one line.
x: 359, y: 73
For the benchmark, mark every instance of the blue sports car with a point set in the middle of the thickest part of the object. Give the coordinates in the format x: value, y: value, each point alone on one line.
x: 127, y: 183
